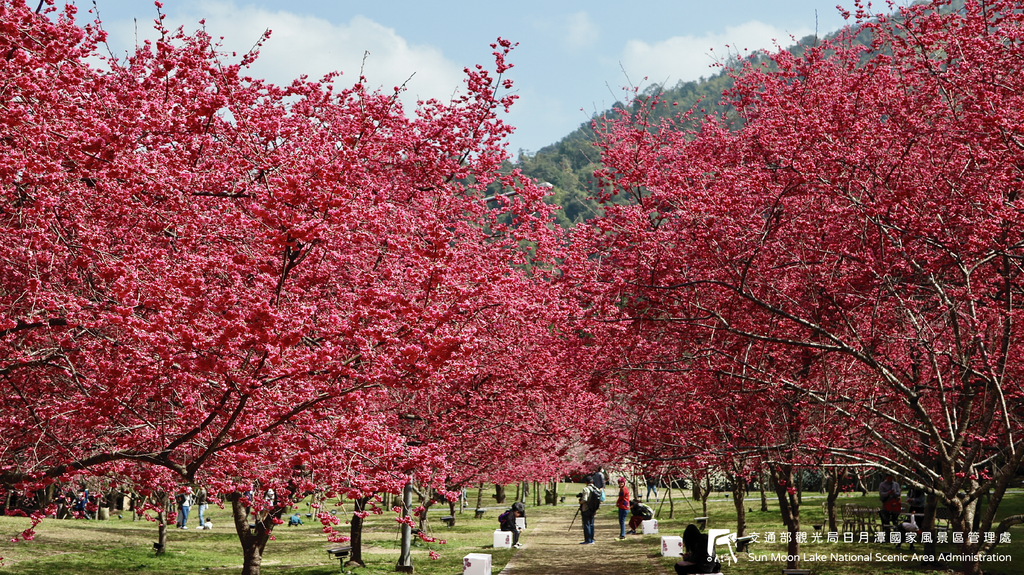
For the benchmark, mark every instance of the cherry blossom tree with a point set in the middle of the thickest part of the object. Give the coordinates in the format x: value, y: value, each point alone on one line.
x: 212, y: 279
x: 859, y: 233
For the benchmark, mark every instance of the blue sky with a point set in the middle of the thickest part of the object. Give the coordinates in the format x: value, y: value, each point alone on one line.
x: 572, y: 60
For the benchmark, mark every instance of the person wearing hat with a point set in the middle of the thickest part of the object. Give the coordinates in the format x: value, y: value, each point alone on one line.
x: 623, y: 504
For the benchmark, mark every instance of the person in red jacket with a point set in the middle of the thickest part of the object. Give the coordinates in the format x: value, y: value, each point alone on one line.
x: 623, y: 504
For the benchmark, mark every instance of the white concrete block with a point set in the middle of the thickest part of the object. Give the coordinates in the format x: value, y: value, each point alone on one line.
x: 476, y: 564
x: 671, y: 546
x: 502, y: 539
x: 650, y: 527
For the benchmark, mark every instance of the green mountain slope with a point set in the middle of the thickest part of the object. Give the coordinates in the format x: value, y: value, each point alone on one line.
x: 569, y: 164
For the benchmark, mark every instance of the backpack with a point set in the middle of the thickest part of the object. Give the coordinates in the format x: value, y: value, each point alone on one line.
x: 503, y: 518
x: 646, y: 512
x: 593, y: 499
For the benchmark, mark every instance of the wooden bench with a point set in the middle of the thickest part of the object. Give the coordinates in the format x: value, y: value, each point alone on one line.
x: 340, y: 553
x: 448, y: 520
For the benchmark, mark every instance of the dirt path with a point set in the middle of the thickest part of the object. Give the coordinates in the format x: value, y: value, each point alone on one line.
x: 549, y: 547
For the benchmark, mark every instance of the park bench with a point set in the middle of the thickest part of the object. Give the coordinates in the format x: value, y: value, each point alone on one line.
x: 479, y: 513
x: 942, y: 516
x: 743, y: 542
x: 340, y: 553
x: 448, y: 520
x: 701, y: 522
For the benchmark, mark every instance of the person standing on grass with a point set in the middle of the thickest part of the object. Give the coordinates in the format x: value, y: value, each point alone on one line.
x: 184, y: 504
x: 622, y: 503
x: 201, y: 501
x: 652, y: 486
x: 590, y: 501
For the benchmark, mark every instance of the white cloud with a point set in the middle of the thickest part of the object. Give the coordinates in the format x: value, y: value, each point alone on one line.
x: 580, y: 31
x: 689, y: 57
x: 313, y: 46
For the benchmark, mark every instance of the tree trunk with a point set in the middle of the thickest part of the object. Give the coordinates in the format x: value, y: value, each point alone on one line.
x: 738, y: 493
x: 704, y: 493
x: 518, y: 485
x: 761, y: 480
x: 423, y: 515
x: 928, y: 524
x: 834, y: 477
x: 671, y: 504
x: 137, y: 506
x: 861, y: 486
x: 252, y: 539
x: 499, y: 493
x: 480, y: 496
x: 45, y: 496
x: 356, y: 533
x: 161, y: 524
x: 789, y: 505
x: 405, y: 558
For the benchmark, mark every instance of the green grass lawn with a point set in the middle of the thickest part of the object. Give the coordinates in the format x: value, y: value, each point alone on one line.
x: 64, y: 547
x: 759, y: 560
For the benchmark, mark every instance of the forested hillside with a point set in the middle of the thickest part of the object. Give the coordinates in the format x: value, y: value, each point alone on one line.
x: 569, y: 164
